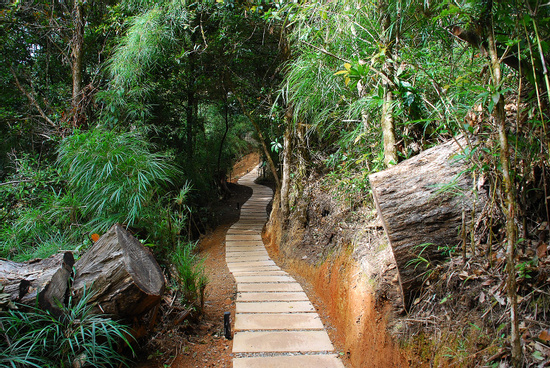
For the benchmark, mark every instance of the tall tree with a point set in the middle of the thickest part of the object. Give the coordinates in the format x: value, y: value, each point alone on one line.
x: 508, y: 181
x: 77, y: 53
x: 389, y: 37
x: 51, y: 53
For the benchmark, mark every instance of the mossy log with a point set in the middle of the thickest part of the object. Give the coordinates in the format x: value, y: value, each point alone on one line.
x: 423, y: 204
x: 121, y: 273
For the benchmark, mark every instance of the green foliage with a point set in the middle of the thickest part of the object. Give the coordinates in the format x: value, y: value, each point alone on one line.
x: 191, y: 278
x: 165, y: 222
x: 79, y: 338
x: 36, y: 218
x: 318, y: 106
x: 420, y: 260
x: 149, y: 35
x: 114, y: 175
x: 173, y: 74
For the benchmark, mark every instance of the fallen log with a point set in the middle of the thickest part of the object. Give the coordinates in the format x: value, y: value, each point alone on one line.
x: 423, y: 203
x: 121, y: 273
x: 118, y: 270
x: 56, y: 292
x: 23, y: 282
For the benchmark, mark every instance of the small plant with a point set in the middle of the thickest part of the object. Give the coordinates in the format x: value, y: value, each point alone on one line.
x: 524, y: 269
x: 447, y: 250
x: 79, y: 338
x: 419, y: 260
x: 191, y: 277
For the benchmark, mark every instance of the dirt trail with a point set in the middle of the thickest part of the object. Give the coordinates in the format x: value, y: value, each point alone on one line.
x: 276, y: 325
x: 201, y: 343
x: 198, y: 344
x: 207, y: 345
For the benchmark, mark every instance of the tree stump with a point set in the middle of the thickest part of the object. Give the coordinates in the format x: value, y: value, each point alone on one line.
x: 423, y: 203
x: 122, y: 274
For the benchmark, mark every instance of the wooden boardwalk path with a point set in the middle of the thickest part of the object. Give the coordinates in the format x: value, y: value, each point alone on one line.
x: 275, y: 323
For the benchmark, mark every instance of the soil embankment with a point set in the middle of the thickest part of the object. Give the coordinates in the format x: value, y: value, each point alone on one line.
x: 334, y: 279
x: 351, y: 288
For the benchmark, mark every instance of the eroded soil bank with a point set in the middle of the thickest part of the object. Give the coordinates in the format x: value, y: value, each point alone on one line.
x: 352, y: 297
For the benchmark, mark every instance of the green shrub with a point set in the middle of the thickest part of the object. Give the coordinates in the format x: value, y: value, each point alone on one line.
x: 78, y: 338
x: 31, y: 208
x: 114, y: 175
x: 191, y: 278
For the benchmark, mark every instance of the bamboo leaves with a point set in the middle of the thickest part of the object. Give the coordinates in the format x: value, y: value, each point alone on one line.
x: 149, y: 36
x: 113, y: 174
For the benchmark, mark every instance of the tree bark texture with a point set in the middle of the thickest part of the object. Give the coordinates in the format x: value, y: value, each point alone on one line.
x: 387, y: 120
x: 285, y: 186
x: 77, y: 46
x: 388, y: 129
x: 509, y: 199
x: 123, y: 276
x: 421, y: 202
x: 24, y: 281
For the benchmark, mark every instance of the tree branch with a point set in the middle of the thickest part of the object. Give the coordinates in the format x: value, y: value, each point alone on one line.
x: 32, y: 100
x: 511, y: 60
x: 376, y: 71
x: 262, y: 141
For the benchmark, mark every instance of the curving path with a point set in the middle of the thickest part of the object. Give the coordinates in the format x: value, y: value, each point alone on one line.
x: 275, y: 324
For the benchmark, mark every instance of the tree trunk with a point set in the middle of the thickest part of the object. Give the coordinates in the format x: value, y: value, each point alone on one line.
x: 123, y: 274
x: 124, y: 277
x: 476, y: 40
x: 226, y: 120
x: 285, y: 186
x: 221, y: 176
x: 388, y: 129
x: 190, y: 108
x: 77, y: 46
x: 387, y: 120
x: 421, y: 202
x: 509, y: 205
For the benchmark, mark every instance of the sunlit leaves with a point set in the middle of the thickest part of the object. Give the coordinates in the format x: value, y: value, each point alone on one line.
x: 356, y: 72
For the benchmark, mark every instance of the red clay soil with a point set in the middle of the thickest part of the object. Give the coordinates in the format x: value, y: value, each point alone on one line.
x: 348, y: 310
x: 208, y: 347
x: 337, y: 288
x: 244, y: 166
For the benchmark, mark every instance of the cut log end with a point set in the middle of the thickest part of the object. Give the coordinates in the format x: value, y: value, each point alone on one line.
x: 123, y: 275
x: 118, y: 270
x: 422, y: 203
